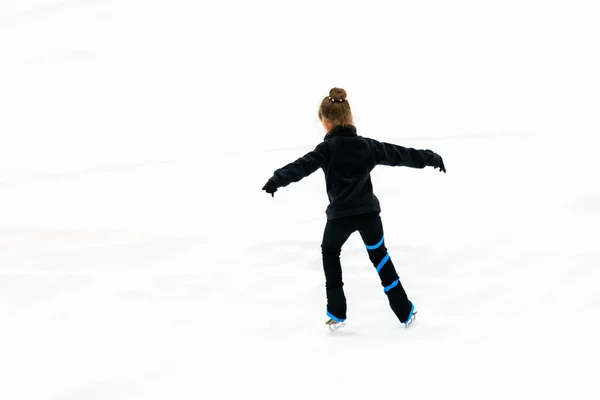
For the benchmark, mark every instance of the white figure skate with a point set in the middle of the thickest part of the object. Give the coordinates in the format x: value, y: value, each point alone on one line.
x: 411, y: 319
x: 334, y: 326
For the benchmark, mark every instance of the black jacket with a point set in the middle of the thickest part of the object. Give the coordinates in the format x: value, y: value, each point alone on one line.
x: 347, y: 160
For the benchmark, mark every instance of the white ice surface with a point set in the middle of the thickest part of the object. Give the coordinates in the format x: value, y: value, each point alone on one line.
x: 139, y: 258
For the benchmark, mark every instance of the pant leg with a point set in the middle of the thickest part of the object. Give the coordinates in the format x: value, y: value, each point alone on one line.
x: 336, y: 233
x: 371, y: 231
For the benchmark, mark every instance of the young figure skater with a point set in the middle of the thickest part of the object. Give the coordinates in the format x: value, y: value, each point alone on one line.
x: 347, y: 160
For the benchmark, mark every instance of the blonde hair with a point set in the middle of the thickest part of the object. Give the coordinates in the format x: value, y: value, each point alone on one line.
x: 335, y: 108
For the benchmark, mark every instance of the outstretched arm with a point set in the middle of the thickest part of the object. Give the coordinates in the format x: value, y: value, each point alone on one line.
x: 299, y: 169
x: 394, y: 155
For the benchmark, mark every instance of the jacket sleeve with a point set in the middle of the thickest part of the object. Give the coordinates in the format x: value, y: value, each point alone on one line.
x: 398, y: 156
x: 302, y: 167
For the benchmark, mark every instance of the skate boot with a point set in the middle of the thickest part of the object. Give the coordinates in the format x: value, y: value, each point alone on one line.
x: 411, y: 317
x: 334, y: 325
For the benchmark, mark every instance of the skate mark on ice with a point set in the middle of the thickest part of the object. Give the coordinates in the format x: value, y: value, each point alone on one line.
x: 83, y: 172
x: 96, y: 391
x: 87, y: 255
x: 54, y: 57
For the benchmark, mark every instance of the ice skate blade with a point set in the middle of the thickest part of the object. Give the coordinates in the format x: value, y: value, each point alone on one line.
x: 408, y: 323
x: 336, y: 326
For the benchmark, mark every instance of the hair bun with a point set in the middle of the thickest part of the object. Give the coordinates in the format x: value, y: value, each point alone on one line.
x: 337, y: 94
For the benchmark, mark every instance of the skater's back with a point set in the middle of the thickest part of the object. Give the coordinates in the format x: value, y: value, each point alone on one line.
x: 347, y: 160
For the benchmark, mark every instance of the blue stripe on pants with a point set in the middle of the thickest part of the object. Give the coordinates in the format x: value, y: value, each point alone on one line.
x: 391, y: 286
x: 375, y: 247
x: 382, y: 263
x: 334, y: 318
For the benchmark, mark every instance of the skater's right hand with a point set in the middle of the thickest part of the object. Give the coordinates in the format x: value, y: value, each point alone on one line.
x: 437, y: 162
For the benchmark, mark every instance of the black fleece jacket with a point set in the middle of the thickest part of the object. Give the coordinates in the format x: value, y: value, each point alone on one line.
x: 347, y: 160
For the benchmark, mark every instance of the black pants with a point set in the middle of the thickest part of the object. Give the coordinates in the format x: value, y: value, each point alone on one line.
x: 337, y: 232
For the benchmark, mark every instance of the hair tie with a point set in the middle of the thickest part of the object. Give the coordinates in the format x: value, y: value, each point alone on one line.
x: 332, y: 99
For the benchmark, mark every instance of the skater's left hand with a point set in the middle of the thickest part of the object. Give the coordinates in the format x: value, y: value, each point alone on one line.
x: 270, y: 187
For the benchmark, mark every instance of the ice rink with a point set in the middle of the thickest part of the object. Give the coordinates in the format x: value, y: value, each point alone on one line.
x: 140, y: 260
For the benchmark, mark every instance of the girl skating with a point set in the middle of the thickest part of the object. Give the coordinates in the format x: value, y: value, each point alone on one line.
x: 347, y: 160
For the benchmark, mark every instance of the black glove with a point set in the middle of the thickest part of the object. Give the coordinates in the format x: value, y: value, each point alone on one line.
x: 270, y: 187
x: 437, y: 162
